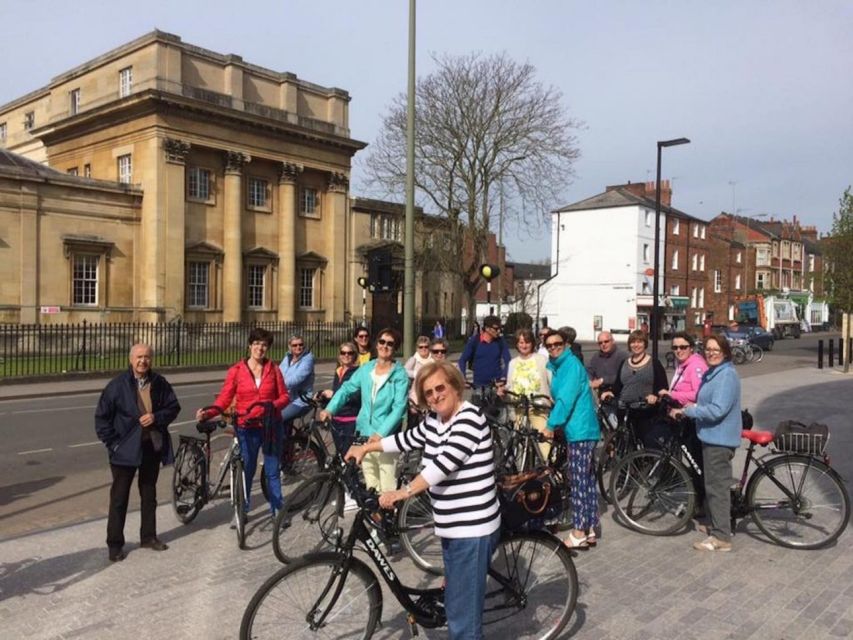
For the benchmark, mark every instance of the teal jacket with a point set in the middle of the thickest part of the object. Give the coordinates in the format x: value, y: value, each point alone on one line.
x: 383, y: 415
x: 574, y: 410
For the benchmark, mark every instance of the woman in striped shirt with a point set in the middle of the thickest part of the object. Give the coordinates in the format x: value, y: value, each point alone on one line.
x: 459, y: 474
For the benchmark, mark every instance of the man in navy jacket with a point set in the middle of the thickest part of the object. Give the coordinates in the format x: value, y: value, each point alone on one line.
x: 132, y: 419
x: 486, y: 353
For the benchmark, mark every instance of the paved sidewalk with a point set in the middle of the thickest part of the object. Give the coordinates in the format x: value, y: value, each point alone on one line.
x: 59, y: 584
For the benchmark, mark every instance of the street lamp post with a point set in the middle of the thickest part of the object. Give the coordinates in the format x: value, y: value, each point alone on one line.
x: 655, y: 324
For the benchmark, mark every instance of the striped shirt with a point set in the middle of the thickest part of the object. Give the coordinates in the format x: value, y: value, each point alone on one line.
x: 459, y: 468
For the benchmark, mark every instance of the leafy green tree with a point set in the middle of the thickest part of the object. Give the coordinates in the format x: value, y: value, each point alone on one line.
x: 839, y: 257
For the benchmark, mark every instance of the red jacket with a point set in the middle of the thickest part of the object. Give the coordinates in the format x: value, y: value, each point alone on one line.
x: 240, y: 384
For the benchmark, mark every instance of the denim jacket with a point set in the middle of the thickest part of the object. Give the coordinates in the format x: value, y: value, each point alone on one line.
x: 717, y: 408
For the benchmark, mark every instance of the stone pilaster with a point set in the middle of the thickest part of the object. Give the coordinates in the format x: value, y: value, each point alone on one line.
x: 232, y: 242
x: 173, y: 196
x: 334, y: 293
x: 287, y: 195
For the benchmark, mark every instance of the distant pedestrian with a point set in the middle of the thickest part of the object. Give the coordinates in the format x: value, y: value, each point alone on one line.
x: 132, y: 419
x: 486, y: 354
x: 543, y: 333
x: 571, y: 337
x: 604, y: 365
x: 438, y: 349
x: 366, y: 352
x: 438, y: 330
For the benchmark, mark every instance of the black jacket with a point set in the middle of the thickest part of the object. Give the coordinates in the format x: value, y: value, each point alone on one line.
x: 117, y: 418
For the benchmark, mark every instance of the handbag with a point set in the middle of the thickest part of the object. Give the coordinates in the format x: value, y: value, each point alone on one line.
x: 528, y: 496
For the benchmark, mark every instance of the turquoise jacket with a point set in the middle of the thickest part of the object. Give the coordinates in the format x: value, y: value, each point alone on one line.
x: 717, y: 409
x: 383, y: 415
x: 574, y: 410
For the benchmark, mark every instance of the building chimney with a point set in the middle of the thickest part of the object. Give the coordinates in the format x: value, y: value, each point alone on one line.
x: 665, y: 192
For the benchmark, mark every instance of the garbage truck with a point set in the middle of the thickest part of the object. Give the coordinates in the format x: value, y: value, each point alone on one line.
x: 776, y: 314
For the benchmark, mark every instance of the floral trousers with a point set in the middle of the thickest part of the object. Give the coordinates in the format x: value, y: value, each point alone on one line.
x: 582, y: 485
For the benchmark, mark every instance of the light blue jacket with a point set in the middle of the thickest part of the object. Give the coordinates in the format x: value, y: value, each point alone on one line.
x: 717, y: 408
x: 298, y: 377
x: 574, y: 410
x: 384, y: 414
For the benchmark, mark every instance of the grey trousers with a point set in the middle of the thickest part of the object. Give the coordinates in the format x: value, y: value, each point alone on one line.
x: 717, y: 468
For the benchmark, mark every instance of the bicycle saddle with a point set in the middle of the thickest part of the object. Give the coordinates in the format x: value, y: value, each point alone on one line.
x: 207, y: 426
x: 758, y: 437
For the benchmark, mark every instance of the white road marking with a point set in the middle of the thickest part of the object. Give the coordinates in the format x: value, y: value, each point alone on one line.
x: 84, y: 444
x: 88, y: 407
x: 26, y: 453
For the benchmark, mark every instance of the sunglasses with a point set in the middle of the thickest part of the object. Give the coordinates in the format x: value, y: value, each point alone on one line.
x: 363, y: 335
x: 680, y: 347
x: 382, y: 342
x: 554, y: 345
x: 347, y: 353
x: 297, y: 344
x: 605, y: 342
x: 439, y: 350
x: 423, y: 346
x: 432, y: 392
x: 713, y: 351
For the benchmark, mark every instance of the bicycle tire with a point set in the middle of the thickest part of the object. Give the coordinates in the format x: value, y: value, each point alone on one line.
x: 188, y: 480
x: 652, y: 493
x: 417, y: 534
x: 311, y: 524
x: 531, y: 588
x: 738, y: 355
x: 283, y: 604
x: 238, y: 501
x: 616, y: 446
x: 817, y: 522
x: 757, y: 353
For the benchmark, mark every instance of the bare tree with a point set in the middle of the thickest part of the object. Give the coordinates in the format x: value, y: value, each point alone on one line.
x: 482, y: 122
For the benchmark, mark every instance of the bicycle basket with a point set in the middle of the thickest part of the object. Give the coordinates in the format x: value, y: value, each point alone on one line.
x: 796, y: 437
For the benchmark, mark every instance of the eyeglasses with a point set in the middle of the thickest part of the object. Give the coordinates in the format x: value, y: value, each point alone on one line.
x: 297, y: 344
x: 347, y: 353
x: 605, y: 341
x: 423, y: 346
x: 439, y: 388
x: 382, y: 342
x: 363, y: 335
x: 713, y: 351
x: 553, y: 345
x: 494, y: 328
x: 439, y: 350
x: 680, y: 347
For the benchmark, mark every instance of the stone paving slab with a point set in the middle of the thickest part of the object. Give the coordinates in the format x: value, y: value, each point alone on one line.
x: 59, y: 584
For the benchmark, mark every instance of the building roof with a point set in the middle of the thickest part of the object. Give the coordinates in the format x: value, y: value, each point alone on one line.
x: 619, y: 197
x: 528, y: 271
x: 24, y: 167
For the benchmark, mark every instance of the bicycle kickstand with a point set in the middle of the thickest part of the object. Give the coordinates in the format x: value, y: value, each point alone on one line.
x: 413, y: 626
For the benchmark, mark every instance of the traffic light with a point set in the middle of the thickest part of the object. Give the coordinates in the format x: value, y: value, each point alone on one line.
x: 489, y: 272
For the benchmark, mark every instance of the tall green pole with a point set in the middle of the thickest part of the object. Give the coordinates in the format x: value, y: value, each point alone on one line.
x: 409, y: 274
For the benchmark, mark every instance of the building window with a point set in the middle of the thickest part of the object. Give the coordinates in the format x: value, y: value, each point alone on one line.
x: 762, y: 257
x: 198, y: 285
x: 702, y: 231
x: 675, y: 260
x: 72, y: 171
x: 731, y: 312
x: 2, y: 132
x: 308, y: 202
x: 694, y: 262
x: 84, y: 279
x: 74, y: 100
x: 695, y: 230
x: 786, y: 249
x: 697, y: 318
x: 29, y: 120
x: 811, y: 262
x: 718, y: 281
x: 255, y: 293
x: 702, y: 296
x: 737, y: 282
x: 125, y: 82
x: 87, y: 170
x: 775, y: 249
x: 306, y: 288
x: 387, y: 227
x: 738, y: 257
x: 676, y: 227
x: 760, y: 280
x: 797, y: 251
x: 645, y: 252
x: 648, y: 218
x: 125, y: 168
x: 259, y: 193
x: 645, y: 288
x: 674, y: 290
x: 198, y: 183
x: 702, y: 262
x: 694, y: 297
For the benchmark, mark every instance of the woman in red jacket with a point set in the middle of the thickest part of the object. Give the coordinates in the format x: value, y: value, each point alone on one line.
x: 256, y: 379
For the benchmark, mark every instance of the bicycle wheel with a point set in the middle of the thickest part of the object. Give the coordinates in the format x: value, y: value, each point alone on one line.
x: 238, y: 501
x: 615, y: 447
x: 738, y: 355
x: 417, y: 534
x: 324, y: 596
x: 188, y: 480
x: 652, y: 493
x: 310, y: 520
x: 531, y: 589
x: 757, y: 353
x: 807, y: 509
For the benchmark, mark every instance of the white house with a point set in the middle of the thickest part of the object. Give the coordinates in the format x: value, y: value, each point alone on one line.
x: 602, y: 264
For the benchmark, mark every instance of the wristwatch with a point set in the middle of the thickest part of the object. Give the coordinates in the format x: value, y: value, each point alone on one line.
x: 408, y: 489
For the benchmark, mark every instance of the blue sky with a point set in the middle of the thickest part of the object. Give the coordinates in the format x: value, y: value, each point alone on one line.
x: 763, y: 89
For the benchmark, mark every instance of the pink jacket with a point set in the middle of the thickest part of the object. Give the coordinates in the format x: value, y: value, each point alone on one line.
x: 687, y: 378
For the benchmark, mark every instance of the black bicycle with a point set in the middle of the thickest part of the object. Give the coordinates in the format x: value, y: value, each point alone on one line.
x: 191, y: 486
x: 531, y: 590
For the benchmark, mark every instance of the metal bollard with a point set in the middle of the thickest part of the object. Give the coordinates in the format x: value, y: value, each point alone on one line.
x: 831, y: 353
x: 820, y: 354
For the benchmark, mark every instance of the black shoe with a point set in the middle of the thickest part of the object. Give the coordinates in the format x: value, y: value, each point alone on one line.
x: 117, y: 555
x: 154, y: 544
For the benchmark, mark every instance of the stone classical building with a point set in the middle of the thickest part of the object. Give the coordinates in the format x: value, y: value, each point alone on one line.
x: 196, y: 185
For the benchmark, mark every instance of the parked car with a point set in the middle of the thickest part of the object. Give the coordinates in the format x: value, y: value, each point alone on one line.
x: 751, y: 333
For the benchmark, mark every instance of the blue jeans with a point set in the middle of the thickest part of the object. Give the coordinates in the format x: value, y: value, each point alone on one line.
x: 466, y: 562
x: 251, y: 441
